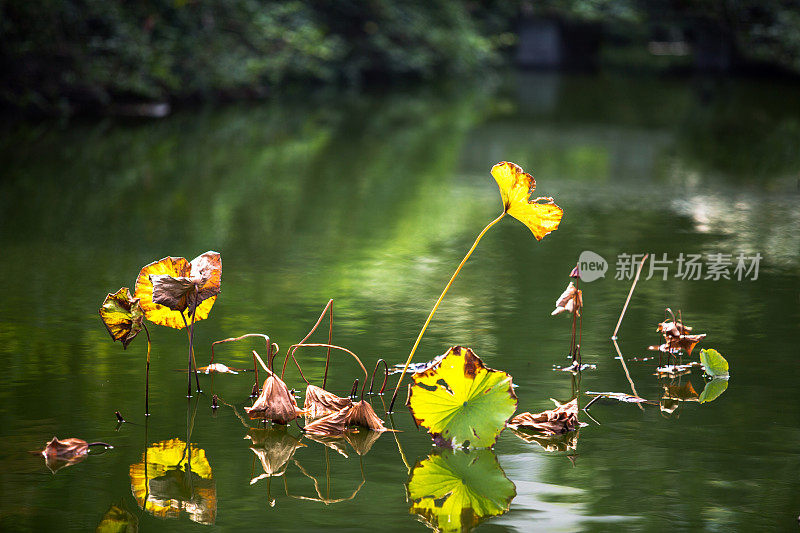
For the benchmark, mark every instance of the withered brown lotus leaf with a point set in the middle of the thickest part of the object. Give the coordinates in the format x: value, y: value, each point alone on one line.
x: 275, y: 403
x: 571, y: 301
x: 333, y: 424
x: 362, y: 414
x: 562, y: 419
x: 122, y: 315
x: 676, y: 338
x: 320, y: 402
x: 67, y: 452
x: 274, y: 447
x: 171, y: 288
x: 358, y: 414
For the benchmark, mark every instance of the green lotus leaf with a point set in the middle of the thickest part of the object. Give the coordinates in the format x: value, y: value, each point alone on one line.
x: 713, y: 363
x: 122, y: 316
x: 713, y: 390
x: 454, y: 490
x: 461, y: 402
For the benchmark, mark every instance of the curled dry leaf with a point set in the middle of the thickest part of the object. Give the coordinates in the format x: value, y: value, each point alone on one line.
x: 67, y: 452
x: 275, y: 403
x: 562, y: 419
x: 677, y: 338
x: 320, y: 402
x: 540, y: 215
x: 122, y: 316
x: 171, y: 288
x: 571, y: 301
x: 461, y: 402
x: 358, y: 414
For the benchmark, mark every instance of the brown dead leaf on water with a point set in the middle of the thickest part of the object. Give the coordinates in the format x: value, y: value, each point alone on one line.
x: 571, y: 301
x: 275, y: 403
x: 676, y: 338
x: 319, y: 402
x: 562, y: 419
x: 67, y: 452
x: 358, y: 414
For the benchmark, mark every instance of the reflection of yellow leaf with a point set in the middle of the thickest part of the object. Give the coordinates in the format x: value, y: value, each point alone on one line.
x: 161, y: 482
x: 176, y: 276
x: 118, y: 520
x: 515, y: 189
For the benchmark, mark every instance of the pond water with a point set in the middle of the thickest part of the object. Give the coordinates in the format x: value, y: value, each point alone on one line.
x: 373, y: 201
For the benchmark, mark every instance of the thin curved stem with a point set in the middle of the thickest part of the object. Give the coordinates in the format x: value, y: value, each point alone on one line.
x: 328, y: 306
x: 319, y: 345
x: 233, y: 339
x: 436, y: 306
x: 147, y: 375
x: 385, y: 375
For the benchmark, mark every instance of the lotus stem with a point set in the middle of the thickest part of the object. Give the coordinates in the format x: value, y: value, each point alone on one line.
x: 633, y: 286
x: 328, y: 306
x: 233, y: 339
x: 354, y: 389
x: 385, y: 375
x: 436, y: 306
x: 294, y: 347
x: 147, y: 375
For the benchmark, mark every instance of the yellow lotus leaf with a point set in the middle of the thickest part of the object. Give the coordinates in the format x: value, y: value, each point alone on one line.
x: 122, y: 316
x: 171, y: 288
x: 541, y: 215
x: 173, y: 477
x: 461, y: 402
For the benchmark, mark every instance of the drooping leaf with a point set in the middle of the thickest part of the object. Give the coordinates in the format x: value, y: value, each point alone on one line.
x: 275, y: 402
x: 173, y: 477
x: 320, y: 402
x: 358, y: 414
x: 65, y: 452
x: 562, y: 419
x: 677, y: 338
x: 571, y: 301
x: 454, y: 490
x: 172, y: 287
x: 274, y: 447
x: 461, y: 402
x: 122, y: 316
x: 713, y: 390
x: 117, y: 520
x: 713, y: 363
x: 541, y: 215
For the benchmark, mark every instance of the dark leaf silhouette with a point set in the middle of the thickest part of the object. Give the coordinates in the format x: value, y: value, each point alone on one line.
x: 275, y: 402
x: 171, y: 288
x: 122, y: 316
x: 320, y: 402
x: 562, y: 419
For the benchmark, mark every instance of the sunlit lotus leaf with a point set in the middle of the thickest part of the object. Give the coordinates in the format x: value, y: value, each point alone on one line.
x: 455, y: 490
x: 122, y: 316
x: 565, y: 442
x: 274, y: 447
x: 541, y: 215
x: 179, y: 286
x: 713, y: 390
x: 562, y: 419
x: 118, y: 520
x: 275, y: 403
x: 461, y: 402
x: 173, y: 477
x: 65, y: 452
x: 320, y: 402
x: 571, y: 301
x: 713, y: 363
x: 358, y: 414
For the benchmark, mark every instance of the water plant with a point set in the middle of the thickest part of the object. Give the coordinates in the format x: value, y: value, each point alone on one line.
x: 541, y: 215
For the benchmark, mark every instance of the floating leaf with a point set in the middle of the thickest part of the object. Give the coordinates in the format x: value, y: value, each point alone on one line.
x: 562, y: 419
x: 173, y: 476
x: 67, y: 452
x: 216, y: 368
x: 461, y: 401
x: 118, y: 520
x: 122, y: 316
x: 713, y: 390
x: 358, y: 414
x: 515, y: 189
x: 169, y: 289
x: 713, y: 363
x: 275, y: 403
x: 455, y: 490
x: 571, y: 301
x: 274, y: 447
x: 320, y: 402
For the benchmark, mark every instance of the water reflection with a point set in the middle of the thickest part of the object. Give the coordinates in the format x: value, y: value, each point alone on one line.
x: 172, y: 477
x: 455, y: 490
